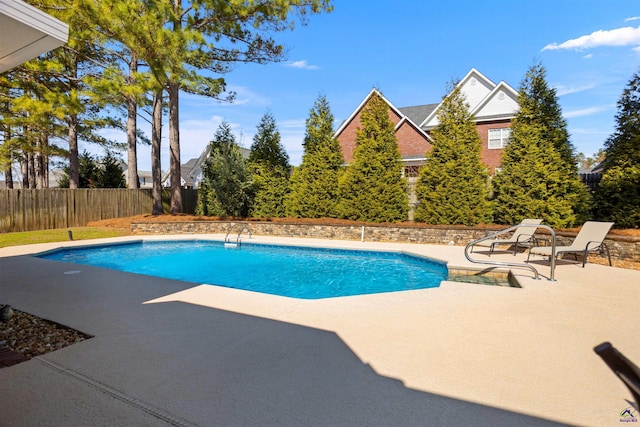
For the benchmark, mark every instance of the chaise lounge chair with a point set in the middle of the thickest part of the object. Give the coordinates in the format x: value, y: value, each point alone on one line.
x: 522, y: 235
x: 590, y: 238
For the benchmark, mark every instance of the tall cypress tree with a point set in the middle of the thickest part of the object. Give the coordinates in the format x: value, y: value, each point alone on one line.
x: 539, y: 172
x: 618, y: 194
x: 269, y: 164
x: 372, y: 187
x: 314, y: 184
x: 226, y: 187
x: 452, y: 188
x: 266, y: 148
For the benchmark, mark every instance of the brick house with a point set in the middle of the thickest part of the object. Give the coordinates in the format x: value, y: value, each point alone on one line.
x: 493, y: 106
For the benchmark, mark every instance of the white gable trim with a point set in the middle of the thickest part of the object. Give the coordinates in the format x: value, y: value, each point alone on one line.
x: 473, y: 73
x: 361, y: 106
x: 478, y: 75
x: 502, y: 87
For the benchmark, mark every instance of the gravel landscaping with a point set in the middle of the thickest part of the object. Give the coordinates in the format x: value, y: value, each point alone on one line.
x: 33, y: 336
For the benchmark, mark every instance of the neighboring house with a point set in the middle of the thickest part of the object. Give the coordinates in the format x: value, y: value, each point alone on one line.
x: 54, y: 176
x: 591, y: 177
x: 144, y: 177
x: 192, y: 171
x: 493, y: 106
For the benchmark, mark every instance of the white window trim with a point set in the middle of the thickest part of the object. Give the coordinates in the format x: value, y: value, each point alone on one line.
x: 505, y: 136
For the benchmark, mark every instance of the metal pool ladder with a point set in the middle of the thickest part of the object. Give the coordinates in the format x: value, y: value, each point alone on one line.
x: 516, y: 264
x: 230, y: 242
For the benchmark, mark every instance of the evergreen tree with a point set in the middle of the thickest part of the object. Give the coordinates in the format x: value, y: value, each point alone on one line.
x: 226, y: 187
x: 270, y: 167
x: 110, y: 173
x: 539, y: 172
x: 266, y: 148
x: 452, y: 188
x: 271, y: 188
x: 96, y: 173
x: 88, y: 172
x: 372, y: 187
x: 618, y: 193
x: 187, y: 46
x: 314, y: 184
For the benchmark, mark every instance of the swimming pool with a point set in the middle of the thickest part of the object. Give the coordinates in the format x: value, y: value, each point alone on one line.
x: 298, y: 272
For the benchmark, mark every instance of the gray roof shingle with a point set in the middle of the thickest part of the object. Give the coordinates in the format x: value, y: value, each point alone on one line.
x: 418, y: 113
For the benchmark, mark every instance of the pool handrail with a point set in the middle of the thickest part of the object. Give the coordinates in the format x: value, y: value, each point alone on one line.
x: 237, y: 240
x: 516, y: 264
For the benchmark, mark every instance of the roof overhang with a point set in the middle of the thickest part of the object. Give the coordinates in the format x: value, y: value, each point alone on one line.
x: 26, y: 32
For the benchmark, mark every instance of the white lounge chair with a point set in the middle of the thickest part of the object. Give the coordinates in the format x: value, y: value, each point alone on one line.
x: 523, y: 235
x: 590, y: 238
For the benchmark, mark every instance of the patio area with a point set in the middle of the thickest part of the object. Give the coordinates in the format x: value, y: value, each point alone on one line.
x: 166, y: 352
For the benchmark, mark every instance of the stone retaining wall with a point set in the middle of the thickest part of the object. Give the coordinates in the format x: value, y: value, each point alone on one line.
x: 621, y: 247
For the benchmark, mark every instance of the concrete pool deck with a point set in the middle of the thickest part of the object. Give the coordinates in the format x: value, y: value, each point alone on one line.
x: 166, y: 352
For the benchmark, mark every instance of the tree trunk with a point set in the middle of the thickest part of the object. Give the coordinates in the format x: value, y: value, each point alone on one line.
x: 31, y: 179
x: 46, y: 171
x: 74, y: 162
x: 8, y: 177
x: 132, y: 111
x: 156, y: 170
x: 173, y: 87
x: 24, y: 169
x: 174, y: 149
x: 40, y: 163
x: 8, y: 173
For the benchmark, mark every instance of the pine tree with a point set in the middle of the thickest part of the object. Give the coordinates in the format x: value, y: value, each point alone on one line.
x: 539, y: 172
x: 226, y: 187
x: 452, y: 188
x: 314, y: 184
x: 618, y: 193
x: 266, y: 148
x: 270, y: 167
x: 88, y: 172
x: 372, y: 187
x: 209, y: 35
x: 110, y: 174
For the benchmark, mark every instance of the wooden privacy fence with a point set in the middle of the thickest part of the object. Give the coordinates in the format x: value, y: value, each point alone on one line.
x: 27, y: 210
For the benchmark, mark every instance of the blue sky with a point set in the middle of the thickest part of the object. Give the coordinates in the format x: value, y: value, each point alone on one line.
x: 410, y: 50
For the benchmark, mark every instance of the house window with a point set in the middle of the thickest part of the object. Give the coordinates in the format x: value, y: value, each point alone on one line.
x: 411, y: 171
x: 499, y: 138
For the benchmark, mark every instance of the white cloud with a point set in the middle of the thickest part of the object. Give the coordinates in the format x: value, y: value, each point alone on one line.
x: 303, y: 65
x: 246, y: 96
x: 588, y: 56
x: 627, y: 36
x: 566, y: 90
x: 633, y: 18
x: 589, y: 132
x: 587, y: 111
x: 292, y: 124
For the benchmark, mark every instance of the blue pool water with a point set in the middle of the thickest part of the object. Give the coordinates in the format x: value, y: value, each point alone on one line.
x: 298, y: 272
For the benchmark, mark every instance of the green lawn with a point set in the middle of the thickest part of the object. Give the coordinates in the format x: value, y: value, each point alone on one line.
x: 45, y: 236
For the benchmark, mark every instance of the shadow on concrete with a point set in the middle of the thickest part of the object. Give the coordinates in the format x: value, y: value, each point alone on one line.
x: 181, y: 364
